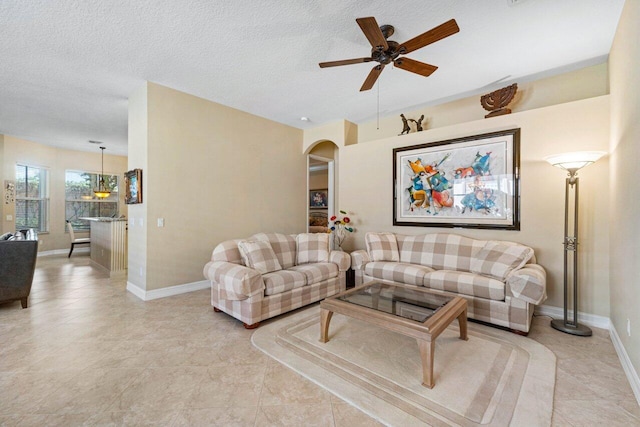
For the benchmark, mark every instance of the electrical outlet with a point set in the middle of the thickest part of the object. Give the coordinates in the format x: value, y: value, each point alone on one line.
x: 160, y: 222
x: 629, y: 327
x: 140, y: 271
x: 9, y: 217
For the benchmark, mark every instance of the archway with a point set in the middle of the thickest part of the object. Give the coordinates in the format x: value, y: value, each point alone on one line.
x: 321, y: 185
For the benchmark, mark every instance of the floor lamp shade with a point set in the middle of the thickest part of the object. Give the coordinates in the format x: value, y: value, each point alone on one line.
x: 572, y: 162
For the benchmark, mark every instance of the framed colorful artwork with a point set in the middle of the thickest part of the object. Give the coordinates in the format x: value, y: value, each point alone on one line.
x: 319, y: 199
x: 133, y: 184
x: 470, y: 182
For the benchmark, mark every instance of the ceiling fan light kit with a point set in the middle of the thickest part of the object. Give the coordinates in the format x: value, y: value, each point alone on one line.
x: 384, y: 51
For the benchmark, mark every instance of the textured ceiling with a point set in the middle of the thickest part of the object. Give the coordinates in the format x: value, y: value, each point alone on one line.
x: 67, y: 67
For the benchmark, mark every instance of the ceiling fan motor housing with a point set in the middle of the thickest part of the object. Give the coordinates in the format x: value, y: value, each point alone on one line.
x: 386, y: 56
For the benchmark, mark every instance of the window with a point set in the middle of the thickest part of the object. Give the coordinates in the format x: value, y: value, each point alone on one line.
x: 32, y: 198
x: 81, y: 202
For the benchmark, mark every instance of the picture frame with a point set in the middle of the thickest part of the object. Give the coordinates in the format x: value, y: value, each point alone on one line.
x: 133, y: 185
x: 469, y: 182
x: 319, y: 199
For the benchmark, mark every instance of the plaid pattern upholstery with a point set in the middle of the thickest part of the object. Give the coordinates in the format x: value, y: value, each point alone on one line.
x: 511, y: 313
x: 341, y: 259
x: 282, y: 281
x: 359, y: 259
x: 439, y: 251
x: 461, y: 282
x: 382, y: 246
x: 316, y: 273
x: 251, y: 297
x: 283, y: 245
x: 312, y: 247
x: 410, y: 274
x: 498, y: 259
x: 529, y: 284
x: 236, y: 282
x: 490, y: 300
x: 299, y: 297
x: 259, y: 256
x: 228, y: 251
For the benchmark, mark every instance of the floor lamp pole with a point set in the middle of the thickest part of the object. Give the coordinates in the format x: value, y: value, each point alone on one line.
x: 571, y: 247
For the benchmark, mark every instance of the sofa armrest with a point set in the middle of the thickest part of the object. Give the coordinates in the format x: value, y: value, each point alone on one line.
x: 359, y: 259
x: 236, y: 282
x: 341, y: 258
x: 528, y: 283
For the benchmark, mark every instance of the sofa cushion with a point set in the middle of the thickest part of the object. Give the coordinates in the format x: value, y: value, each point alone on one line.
x: 498, y: 259
x: 382, y: 246
x: 282, y: 281
x: 318, y: 272
x: 466, y: 284
x: 282, y: 244
x: 441, y: 251
x: 411, y: 274
x: 259, y: 255
x: 228, y: 251
x: 312, y: 247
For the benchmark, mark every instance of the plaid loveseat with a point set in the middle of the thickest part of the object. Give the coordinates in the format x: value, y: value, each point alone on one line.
x: 500, y: 280
x: 250, y: 285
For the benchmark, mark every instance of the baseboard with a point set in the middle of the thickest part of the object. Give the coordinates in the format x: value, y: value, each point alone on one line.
x: 629, y: 370
x: 63, y: 252
x: 168, y: 291
x: 587, y: 319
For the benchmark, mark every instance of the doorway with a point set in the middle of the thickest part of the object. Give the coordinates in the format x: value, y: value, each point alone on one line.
x: 321, y: 186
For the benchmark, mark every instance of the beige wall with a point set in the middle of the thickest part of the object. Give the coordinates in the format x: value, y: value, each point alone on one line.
x: 366, y: 190
x: 624, y: 216
x: 318, y: 180
x: 213, y: 173
x: 580, y: 84
x: 57, y: 161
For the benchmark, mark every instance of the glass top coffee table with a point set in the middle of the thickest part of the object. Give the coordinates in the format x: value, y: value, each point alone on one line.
x: 409, y: 310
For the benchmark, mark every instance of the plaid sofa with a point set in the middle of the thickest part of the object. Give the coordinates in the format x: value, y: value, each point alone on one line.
x: 308, y: 272
x: 500, y: 280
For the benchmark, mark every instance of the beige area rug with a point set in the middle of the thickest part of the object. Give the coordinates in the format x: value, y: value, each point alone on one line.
x: 497, y: 378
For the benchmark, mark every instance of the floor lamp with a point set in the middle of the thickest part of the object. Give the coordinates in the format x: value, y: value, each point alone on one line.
x: 572, y: 162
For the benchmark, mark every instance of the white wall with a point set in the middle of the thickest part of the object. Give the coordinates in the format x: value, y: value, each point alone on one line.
x: 366, y: 190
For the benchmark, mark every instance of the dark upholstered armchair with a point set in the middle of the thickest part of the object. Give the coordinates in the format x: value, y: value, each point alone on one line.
x: 17, y: 264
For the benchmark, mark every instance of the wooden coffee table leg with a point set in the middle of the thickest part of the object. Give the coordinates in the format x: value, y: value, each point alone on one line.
x: 325, y: 319
x: 462, y: 323
x: 426, y: 353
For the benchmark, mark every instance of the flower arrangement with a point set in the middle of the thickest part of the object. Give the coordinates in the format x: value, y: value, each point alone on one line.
x: 340, y: 227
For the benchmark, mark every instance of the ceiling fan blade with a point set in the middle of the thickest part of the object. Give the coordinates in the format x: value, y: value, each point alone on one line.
x: 433, y: 35
x: 344, y: 62
x: 372, y: 77
x: 415, y: 66
x: 371, y: 30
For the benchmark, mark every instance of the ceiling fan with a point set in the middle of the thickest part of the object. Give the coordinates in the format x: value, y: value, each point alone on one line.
x: 386, y: 51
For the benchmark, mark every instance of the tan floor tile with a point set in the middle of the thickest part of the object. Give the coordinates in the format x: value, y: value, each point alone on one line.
x: 228, y: 385
x: 295, y: 415
x: 87, y: 345
x: 282, y: 386
x: 159, y: 389
x: 223, y: 417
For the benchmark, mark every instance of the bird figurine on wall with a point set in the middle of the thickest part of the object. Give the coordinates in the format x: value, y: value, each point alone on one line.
x: 497, y: 101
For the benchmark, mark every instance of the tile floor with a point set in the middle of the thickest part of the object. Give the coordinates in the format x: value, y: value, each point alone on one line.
x: 86, y: 352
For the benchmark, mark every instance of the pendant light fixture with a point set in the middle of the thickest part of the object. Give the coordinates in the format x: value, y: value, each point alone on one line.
x: 102, y: 192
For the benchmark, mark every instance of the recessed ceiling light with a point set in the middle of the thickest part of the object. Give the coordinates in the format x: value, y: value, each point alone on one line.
x: 305, y: 119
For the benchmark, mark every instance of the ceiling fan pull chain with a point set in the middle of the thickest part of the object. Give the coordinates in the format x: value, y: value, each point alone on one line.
x: 378, y: 114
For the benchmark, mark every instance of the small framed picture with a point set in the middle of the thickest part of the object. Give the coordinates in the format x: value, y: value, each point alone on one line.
x: 133, y: 183
x: 319, y: 198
